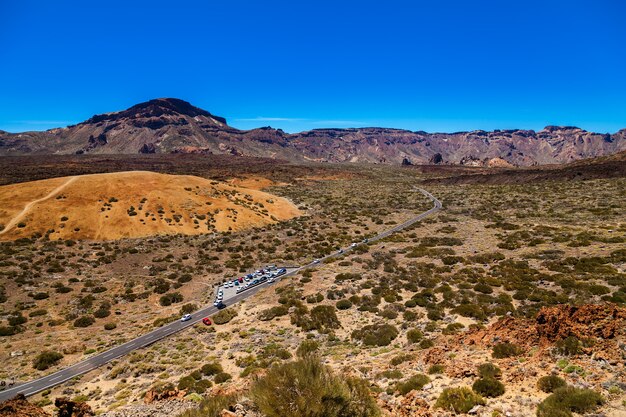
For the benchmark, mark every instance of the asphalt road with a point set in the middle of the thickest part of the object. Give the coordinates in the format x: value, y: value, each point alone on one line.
x: 49, y: 381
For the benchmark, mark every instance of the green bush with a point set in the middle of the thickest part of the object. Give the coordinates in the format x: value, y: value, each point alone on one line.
x: 565, y: 400
x: 436, y: 369
x: 222, y: 377
x: 414, y: 335
x: 8, y: 331
x: 212, y: 368
x: 459, y: 400
x: 570, y: 346
x: 307, y: 348
x: 273, y: 312
x: 110, y: 326
x: 84, y: 321
x: 550, y: 382
x: 344, y: 304
x: 16, y: 320
x: 102, y: 313
x: 505, y: 350
x: 309, y: 388
x: 376, y: 334
x: 489, y: 370
x: 211, y: 406
x: 224, y: 316
x: 488, y: 387
x: 170, y: 298
x: 46, y: 359
x: 416, y: 382
x: 187, y: 309
x: 398, y: 359
x: 426, y: 343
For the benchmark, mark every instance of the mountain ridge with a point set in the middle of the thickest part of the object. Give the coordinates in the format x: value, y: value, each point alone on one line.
x: 170, y: 125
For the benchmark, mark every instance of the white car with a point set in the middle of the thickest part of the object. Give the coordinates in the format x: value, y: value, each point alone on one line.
x: 353, y: 245
x: 316, y: 261
x: 186, y: 317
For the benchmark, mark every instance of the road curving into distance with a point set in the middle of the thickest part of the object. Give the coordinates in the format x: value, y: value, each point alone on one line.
x: 95, y: 361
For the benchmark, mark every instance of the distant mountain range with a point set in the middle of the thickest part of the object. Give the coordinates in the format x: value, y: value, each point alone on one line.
x: 169, y: 125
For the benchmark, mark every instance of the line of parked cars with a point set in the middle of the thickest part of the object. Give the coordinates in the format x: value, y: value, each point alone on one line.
x: 268, y: 274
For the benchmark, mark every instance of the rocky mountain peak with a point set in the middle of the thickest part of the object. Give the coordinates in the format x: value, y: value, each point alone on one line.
x: 160, y: 107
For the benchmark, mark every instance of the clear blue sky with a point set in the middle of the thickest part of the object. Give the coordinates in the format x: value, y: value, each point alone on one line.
x: 420, y: 65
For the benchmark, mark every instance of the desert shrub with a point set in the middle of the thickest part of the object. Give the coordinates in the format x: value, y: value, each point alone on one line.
x: 426, y: 343
x: 389, y: 313
x: 458, y: 400
x: 224, y: 316
x: 376, y: 334
x: 46, y: 359
x: 188, y: 308
x: 212, y: 368
x: 452, y: 328
x: 110, y: 326
x: 40, y: 296
x: 436, y: 369
x: 211, y: 406
x: 84, y: 321
x: 505, y: 350
x: 410, y: 303
x: 489, y: 370
x: 170, y: 298
x: 161, y: 286
x: 398, y: 359
x: 470, y: 310
x: 307, y: 347
x: 347, y: 276
x: 344, y: 304
x: 16, y: 320
x: 321, y: 318
x: 202, y: 385
x: 391, y: 374
x: 184, y: 278
x: 222, y: 377
x: 273, y: 312
x: 309, y: 388
x: 416, y: 382
x: 414, y: 335
x: 8, y: 331
x: 565, y: 400
x: 550, y: 382
x: 488, y: 387
x: 569, y: 346
x: 191, y: 384
x: 102, y: 313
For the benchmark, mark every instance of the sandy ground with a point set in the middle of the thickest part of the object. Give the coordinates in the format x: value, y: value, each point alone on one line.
x: 99, y: 206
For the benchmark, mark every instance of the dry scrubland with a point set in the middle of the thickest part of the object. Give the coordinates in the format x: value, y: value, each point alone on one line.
x: 132, y: 204
x: 435, y: 320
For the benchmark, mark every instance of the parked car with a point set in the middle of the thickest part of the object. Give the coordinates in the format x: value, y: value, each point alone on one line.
x: 206, y: 321
x: 186, y: 317
x: 316, y: 261
x: 353, y: 245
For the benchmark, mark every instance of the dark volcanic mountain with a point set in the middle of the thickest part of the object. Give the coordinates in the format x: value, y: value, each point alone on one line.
x: 174, y: 126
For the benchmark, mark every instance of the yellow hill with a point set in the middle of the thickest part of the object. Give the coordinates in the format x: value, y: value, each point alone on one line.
x: 133, y: 204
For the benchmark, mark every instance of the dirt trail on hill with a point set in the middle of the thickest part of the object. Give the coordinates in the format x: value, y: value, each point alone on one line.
x: 11, y: 224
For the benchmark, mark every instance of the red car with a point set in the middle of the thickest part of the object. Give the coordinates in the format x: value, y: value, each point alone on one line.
x: 206, y: 321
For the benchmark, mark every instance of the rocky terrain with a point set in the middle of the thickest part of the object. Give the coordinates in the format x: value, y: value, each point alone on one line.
x: 175, y: 126
x: 509, y: 293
